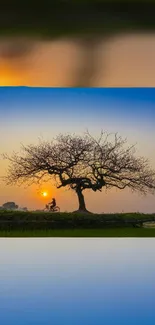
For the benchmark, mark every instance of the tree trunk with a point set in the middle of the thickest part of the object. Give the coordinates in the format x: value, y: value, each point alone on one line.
x: 82, y: 206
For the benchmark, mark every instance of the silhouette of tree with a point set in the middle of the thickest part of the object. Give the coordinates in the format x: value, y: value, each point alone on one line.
x: 80, y: 163
x: 10, y: 206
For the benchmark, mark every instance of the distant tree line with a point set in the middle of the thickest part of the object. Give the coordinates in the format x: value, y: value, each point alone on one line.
x: 11, y: 206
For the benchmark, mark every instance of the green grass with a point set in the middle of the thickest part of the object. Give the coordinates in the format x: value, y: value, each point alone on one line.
x: 39, y: 224
x: 40, y: 215
x: 109, y: 232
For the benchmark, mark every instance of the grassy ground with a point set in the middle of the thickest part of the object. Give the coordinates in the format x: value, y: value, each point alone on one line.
x: 111, y: 232
x: 15, y: 215
x: 39, y: 224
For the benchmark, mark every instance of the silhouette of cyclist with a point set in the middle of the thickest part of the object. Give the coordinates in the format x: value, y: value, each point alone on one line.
x: 52, y: 204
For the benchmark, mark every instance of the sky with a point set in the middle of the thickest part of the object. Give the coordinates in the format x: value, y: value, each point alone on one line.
x: 29, y: 113
x: 77, y: 281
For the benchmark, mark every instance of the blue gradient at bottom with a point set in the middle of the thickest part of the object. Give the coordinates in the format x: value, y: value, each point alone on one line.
x: 77, y: 281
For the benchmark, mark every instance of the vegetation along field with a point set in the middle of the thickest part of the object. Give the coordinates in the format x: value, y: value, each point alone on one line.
x: 43, y: 224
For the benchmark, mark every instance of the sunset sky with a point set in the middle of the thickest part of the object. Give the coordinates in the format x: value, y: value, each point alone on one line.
x: 29, y: 113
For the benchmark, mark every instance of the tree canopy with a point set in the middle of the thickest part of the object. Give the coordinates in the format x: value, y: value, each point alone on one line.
x: 9, y: 206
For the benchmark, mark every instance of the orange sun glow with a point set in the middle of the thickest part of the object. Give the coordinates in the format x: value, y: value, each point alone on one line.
x: 44, y: 194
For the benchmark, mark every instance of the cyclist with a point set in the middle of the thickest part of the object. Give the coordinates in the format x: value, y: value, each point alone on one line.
x: 52, y: 204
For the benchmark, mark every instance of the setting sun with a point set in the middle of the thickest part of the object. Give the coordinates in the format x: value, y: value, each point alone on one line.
x: 44, y: 194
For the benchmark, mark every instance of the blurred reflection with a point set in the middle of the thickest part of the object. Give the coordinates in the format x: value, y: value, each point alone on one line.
x: 120, y: 61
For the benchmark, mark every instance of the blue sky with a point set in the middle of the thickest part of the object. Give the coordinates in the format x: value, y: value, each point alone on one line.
x: 33, y: 112
x: 119, y: 103
x: 77, y: 281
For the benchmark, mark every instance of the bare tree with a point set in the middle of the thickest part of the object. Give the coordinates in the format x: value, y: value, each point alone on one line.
x: 81, y: 163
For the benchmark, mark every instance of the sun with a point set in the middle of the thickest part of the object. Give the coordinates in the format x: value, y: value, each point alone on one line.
x: 44, y: 194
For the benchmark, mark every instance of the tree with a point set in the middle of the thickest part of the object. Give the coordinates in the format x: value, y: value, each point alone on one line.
x: 80, y: 163
x: 9, y: 206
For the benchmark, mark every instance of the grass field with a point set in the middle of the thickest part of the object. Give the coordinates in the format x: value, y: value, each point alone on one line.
x: 42, y: 224
x: 110, y: 232
x: 17, y: 215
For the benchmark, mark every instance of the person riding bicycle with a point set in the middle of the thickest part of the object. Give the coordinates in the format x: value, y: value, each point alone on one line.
x: 52, y: 204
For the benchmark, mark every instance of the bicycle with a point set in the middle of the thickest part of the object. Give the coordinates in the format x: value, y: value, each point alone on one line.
x: 54, y: 209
